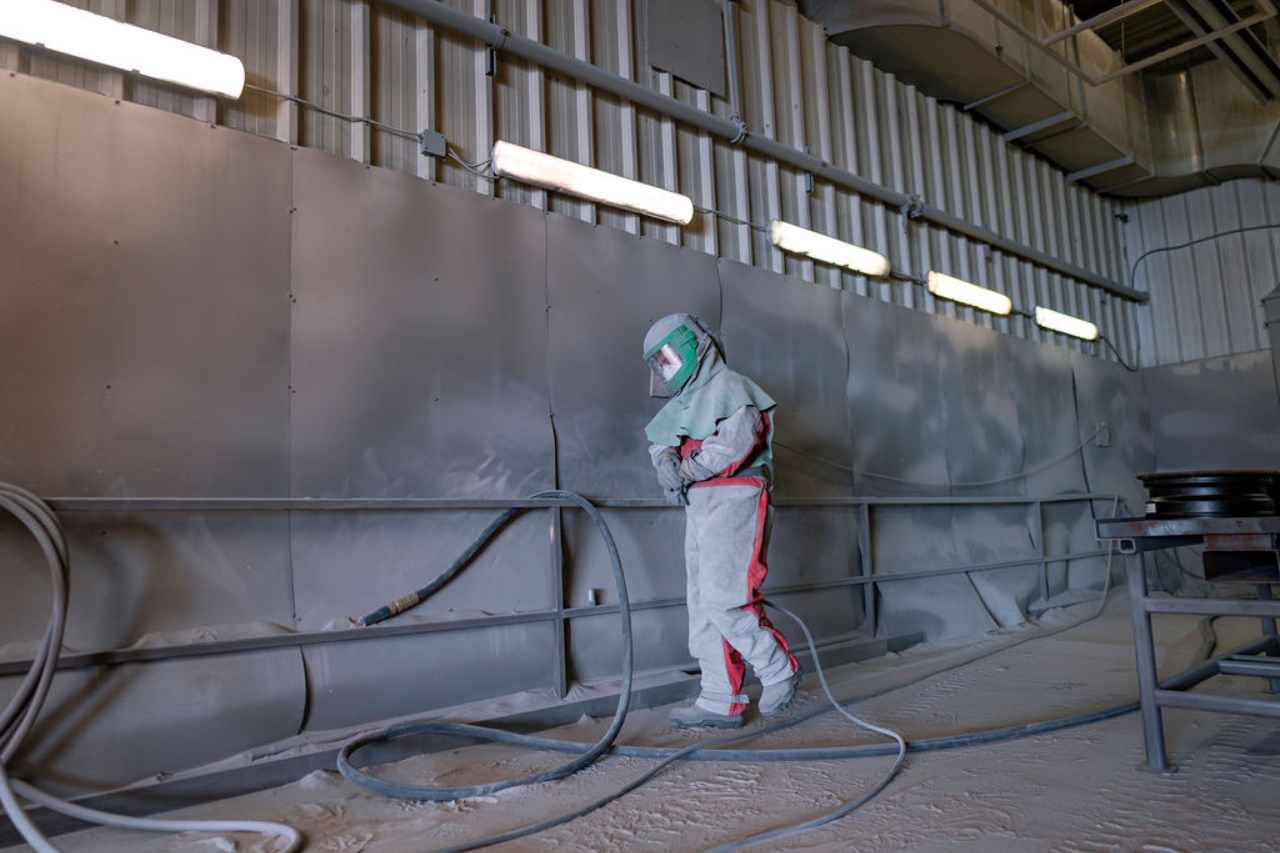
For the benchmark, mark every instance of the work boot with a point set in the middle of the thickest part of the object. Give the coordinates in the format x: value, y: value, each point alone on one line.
x: 776, y: 698
x: 694, y: 717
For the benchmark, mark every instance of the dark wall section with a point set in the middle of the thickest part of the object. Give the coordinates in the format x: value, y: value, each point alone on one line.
x: 276, y: 322
x: 144, y: 350
x: 942, y: 407
x: 1216, y: 413
x: 418, y: 363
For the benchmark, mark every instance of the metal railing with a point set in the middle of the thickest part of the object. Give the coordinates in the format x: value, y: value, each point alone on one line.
x: 558, y: 614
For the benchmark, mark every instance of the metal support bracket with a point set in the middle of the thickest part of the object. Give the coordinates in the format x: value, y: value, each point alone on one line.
x: 491, y: 54
x: 913, y: 207
x: 1100, y: 169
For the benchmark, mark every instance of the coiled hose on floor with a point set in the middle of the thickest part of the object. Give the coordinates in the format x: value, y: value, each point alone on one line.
x: 19, y: 716
x: 707, y: 750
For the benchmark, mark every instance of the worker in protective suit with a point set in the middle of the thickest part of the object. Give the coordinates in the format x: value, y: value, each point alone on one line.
x: 711, y: 446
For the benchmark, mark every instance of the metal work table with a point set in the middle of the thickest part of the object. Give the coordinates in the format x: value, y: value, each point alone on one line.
x: 1237, y: 550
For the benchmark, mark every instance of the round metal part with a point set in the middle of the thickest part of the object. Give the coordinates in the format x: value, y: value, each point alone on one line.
x: 1212, y: 494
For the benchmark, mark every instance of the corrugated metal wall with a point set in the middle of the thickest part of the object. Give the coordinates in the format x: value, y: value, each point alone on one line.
x: 357, y: 58
x: 1205, y: 297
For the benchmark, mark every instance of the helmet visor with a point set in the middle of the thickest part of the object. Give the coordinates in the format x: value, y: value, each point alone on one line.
x: 674, y: 359
x: 666, y: 362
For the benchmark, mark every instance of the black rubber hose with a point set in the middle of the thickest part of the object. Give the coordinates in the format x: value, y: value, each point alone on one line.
x: 421, y: 594
x: 589, y: 755
x: 707, y: 750
x: 20, y: 714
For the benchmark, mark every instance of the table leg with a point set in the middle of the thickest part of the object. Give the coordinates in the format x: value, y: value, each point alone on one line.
x: 1144, y: 648
x: 1269, y: 630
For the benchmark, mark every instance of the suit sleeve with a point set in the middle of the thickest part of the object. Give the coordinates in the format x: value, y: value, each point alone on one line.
x: 736, y: 440
x: 658, y: 451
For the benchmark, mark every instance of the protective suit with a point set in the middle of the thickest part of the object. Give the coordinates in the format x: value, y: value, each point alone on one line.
x: 711, y: 447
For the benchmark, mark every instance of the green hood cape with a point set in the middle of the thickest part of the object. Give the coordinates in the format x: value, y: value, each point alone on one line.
x: 713, y: 393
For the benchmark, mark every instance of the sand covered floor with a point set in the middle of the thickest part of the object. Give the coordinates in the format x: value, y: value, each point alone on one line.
x: 1076, y: 790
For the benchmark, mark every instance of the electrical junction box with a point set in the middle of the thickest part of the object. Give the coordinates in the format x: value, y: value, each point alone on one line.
x: 433, y: 143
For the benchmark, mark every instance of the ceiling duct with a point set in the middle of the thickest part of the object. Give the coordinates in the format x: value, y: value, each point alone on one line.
x: 1140, y: 98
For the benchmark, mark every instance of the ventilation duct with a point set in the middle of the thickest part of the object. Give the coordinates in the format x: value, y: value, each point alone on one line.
x: 1026, y: 66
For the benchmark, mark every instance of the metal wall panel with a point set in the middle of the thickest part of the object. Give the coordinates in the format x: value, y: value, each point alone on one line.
x: 1205, y: 297
x: 604, y: 288
x: 685, y: 38
x: 169, y: 353
x: 936, y: 404
x: 418, y: 361
x: 418, y: 369
x: 1217, y: 413
x: 351, y: 683
x: 147, y: 575
x: 105, y: 728
x: 142, y: 358
x: 788, y: 337
x: 360, y: 59
x: 349, y: 564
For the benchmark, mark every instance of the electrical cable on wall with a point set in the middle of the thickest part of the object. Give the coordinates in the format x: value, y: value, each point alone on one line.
x: 1133, y: 271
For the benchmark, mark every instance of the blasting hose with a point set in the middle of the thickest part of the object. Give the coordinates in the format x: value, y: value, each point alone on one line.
x: 19, y: 716
x: 706, y: 750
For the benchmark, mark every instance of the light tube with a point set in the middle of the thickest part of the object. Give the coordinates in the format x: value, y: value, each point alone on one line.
x: 97, y: 38
x: 553, y: 173
x: 820, y: 247
x: 1066, y: 324
x: 971, y: 294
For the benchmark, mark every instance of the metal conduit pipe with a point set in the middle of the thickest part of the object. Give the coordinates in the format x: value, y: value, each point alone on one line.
x: 502, y: 39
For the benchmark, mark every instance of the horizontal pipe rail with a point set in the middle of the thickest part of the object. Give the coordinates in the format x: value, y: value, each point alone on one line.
x: 1212, y: 606
x: 1255, y: 668
x: 502, y: 39
x: 1209, y: 668
x: 152, y: 654
x: 1217, y: 704
x: 144, y: 504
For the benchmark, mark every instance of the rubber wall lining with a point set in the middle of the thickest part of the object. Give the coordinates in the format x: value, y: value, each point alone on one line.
x: 145, y: 351
x: 1216, y: 413
x: 311, y: 327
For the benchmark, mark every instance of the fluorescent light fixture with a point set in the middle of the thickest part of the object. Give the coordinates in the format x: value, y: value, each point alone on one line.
x: 970, y: 294
x: 543, y: 170
x: 820, y: 247
x: 97, y: 38
x: 1066, y: 324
